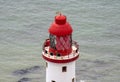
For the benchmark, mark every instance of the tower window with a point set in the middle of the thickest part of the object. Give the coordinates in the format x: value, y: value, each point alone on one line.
x: 73, y: 79
x: 64, y: 69
x: 53, y: 81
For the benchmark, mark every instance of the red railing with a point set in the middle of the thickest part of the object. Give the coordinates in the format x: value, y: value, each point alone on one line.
x: 47, y: 43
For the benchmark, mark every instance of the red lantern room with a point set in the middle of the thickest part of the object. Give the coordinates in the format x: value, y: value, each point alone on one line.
x: 60, y: 36
x: 60, y: 42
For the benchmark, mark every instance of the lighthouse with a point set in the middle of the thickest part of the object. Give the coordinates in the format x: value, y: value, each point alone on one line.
x: 60, y: 52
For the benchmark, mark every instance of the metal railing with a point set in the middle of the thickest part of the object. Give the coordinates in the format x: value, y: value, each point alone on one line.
x: 74, y: 53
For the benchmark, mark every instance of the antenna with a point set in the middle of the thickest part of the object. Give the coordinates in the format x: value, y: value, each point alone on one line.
x: 58, y: 13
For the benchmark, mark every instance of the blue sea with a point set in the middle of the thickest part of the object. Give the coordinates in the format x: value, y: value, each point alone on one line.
x: 24, y: 27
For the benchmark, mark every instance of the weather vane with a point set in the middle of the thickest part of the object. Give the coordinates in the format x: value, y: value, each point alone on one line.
x: 58, y: 13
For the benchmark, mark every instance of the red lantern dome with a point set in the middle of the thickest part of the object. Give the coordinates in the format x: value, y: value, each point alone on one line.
x: 60, y: 27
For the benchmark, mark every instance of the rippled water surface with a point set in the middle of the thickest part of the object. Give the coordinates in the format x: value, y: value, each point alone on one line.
x: 24, y: 26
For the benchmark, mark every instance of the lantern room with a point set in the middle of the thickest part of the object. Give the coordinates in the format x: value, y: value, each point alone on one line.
x: 60, y: 36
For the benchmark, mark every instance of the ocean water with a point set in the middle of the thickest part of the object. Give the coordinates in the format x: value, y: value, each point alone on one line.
x: 24, y: 27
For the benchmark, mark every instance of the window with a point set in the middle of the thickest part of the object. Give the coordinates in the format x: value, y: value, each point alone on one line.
x: 51, y: 54
x: 77, y: 51
x: 58, y: 55
x: 71, y: 40
x: 52, y: 41
x: 46, y: 52
x: 73, y: 79
x: 53, y: 81
x: 63, y: 42
x: 64, y: 69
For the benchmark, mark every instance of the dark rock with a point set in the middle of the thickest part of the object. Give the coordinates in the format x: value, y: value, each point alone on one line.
x: 24, y: 79
x: 27, y: 70
x: 99, y: 63
x: 21, y: 72
x: 32, y: 69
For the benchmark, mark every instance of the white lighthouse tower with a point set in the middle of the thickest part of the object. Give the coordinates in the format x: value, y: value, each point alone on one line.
x: 60, y: 52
